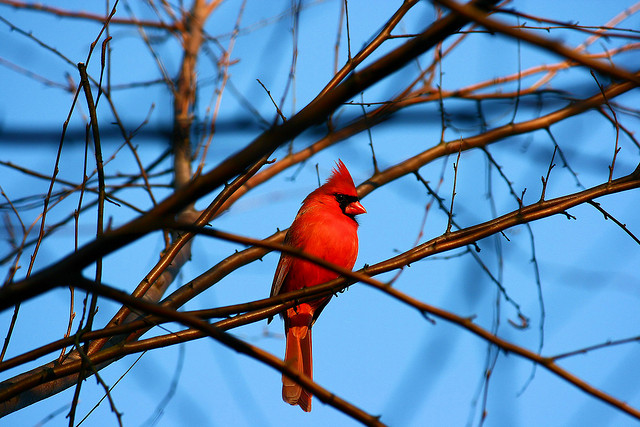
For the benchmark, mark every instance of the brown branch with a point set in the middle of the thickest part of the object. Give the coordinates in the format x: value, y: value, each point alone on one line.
x: 616, y: 150
x: 453, y: 193
x: 607, y: 215
x: 380, y: 114
x: 284, y: 119
x: 213, y: 332
x: 525, y: 214
x: 585, y: 350
x: 384, y: 35
x: 597, y: 31
x: 150, y: 289
x: 84, y: 82
x: 43, y: 217
x: 471, y: 12
x: 53, y: 227
x: 90, y: 16
x: 163, y: 273
x: 223, y: 65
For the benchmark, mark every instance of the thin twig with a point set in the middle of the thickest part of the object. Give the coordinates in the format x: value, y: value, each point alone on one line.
x: 278, y: 110
x: 453, y: 192
x: 617, y: 126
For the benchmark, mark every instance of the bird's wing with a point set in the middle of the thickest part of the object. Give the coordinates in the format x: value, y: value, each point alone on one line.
x: 292, y: 238
x: 284, y: 265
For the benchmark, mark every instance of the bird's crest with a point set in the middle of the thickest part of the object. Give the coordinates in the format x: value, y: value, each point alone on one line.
x: 340, y: 181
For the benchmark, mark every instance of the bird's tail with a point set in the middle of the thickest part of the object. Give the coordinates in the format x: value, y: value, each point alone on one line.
x: 298, y: 356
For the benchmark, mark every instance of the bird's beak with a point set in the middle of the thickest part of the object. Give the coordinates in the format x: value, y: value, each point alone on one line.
x: 355, y: 208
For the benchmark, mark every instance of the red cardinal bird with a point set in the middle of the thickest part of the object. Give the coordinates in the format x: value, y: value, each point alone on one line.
x: 326, y: 227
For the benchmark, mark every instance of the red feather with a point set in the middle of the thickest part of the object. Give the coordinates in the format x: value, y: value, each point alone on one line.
x: 325, y: 226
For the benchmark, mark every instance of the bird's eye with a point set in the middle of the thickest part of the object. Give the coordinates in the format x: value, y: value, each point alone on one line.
x: 344, y: 200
